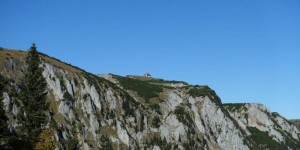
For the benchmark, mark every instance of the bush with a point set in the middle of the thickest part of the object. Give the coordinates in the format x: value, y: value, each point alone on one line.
x: 72, y: 144
x: 129, y: 105
x: 202, y: 91
x: 263, y: 139
x: 234, y: 106
x: 67, y: 96
x: 155, y: 107
x: 143, y: 88
x: 45, y: 141
x: 156, y: 122
x: 167, y: 81
x: 183, y: 116
x: 105, y: 142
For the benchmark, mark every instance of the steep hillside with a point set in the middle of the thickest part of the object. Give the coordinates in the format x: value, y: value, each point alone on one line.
x: 266, y: 128
x: 135, y: 112
x: 296, y: 122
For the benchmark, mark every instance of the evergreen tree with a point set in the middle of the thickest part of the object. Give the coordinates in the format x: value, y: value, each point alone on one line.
x: 33, y: 97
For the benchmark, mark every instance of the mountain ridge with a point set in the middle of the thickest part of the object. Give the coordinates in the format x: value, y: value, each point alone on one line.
x: 145, y: 113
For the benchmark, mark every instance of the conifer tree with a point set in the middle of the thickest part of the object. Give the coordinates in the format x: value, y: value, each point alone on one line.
x: 33, y: 96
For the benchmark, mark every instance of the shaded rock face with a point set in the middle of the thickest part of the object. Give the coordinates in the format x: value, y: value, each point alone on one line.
x: 98, y: 112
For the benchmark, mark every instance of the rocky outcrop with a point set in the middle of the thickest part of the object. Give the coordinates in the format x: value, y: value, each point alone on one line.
x: 296, y: 122
x: 135, y: 113
x: 259, y: 120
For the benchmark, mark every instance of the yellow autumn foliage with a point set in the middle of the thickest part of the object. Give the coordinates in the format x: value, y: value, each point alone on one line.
x: 46, y: 141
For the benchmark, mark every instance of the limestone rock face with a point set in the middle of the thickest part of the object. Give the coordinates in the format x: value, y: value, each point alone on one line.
x: 252, y: 115
x: 146, y: 113
x: 296, y: 122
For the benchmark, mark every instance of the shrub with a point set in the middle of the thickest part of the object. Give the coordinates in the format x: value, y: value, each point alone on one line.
x: 234, y: 106
x: 129, y: 105
x: 46, y: 142
x: 72, y: 144
x: 156, y: 122
x: 183, y: 116
x: 263, y: 139
x: 197, y: 92
x: 202, y: 91
x: 67, y: 96
x: 154, y: 107
x: 105, y: 142
x: 143, y: 88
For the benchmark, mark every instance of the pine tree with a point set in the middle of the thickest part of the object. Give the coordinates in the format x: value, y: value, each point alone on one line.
x: 33, y: 96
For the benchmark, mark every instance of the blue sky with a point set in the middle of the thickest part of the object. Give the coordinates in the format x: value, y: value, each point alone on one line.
x: 246, y: 50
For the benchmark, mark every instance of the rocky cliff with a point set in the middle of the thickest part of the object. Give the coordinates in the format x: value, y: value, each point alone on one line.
x: 296, y: 122
x: 136, y: 112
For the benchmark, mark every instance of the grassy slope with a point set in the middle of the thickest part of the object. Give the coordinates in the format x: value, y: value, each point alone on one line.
x: 6, y: 54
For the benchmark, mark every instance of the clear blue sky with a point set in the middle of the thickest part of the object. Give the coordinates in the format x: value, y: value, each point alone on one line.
x: 246, y: 50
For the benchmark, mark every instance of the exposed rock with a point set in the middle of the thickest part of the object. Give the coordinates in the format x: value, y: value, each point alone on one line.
x: 88, y: 108
x: 261, y: 118
x: 296, y: 122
